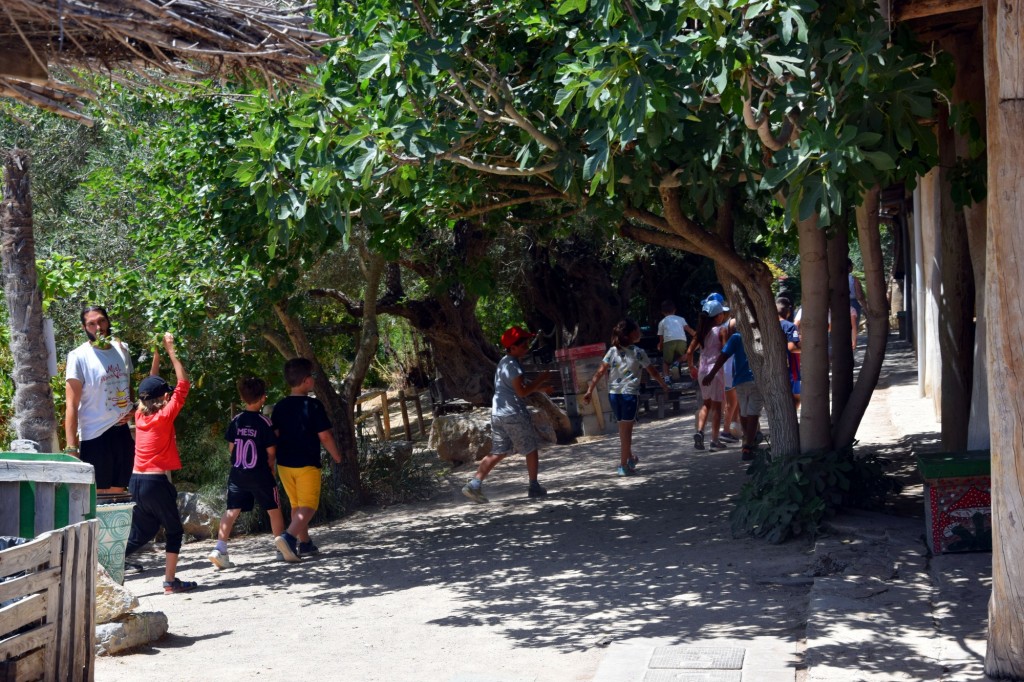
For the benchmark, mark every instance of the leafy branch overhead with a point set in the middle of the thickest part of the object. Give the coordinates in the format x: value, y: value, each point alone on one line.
x: 614, y: 100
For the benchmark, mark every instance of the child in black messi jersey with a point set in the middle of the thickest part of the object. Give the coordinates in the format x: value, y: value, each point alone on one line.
x: 253, y: 447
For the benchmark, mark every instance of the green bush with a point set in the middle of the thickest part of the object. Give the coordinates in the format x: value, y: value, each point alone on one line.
x: 787, y: 497
x: 389, y: 480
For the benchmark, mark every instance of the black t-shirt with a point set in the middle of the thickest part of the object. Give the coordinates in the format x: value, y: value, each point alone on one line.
x: 252, y: 434
x: 299, y: 420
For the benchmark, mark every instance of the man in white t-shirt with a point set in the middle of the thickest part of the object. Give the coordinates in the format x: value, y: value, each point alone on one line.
x: 100, y: 403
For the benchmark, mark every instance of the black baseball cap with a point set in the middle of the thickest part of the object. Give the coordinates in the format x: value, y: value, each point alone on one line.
x: 153, y: 387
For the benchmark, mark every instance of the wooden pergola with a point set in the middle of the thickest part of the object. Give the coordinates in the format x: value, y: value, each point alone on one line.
x: 982, y: 242
x: 44, y: 42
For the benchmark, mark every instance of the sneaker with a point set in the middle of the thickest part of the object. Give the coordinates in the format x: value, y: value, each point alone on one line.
x: 625, y: 471
x: 698, y: 441
x: 288, y: 547
x: 475, y: 494
x: 175, y: 586
x: 220, y: 559
x: 536, y: 490
x: 728, y: 437
x: 759, y: 438
x: 308, y: 549
x: 716, y: 445
x: 632, y: 462
x: 747, y: 454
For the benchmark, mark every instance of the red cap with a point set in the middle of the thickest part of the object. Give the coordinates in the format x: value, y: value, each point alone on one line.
x: 513, y: 335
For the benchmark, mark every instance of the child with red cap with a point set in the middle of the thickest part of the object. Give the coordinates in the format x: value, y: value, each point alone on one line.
x: 511, y: 427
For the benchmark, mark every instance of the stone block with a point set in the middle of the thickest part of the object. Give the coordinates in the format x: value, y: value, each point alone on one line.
x: 112, y: 600
x: 129, y: 632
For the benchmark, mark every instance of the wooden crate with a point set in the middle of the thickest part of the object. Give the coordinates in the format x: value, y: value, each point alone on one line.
x: 40, y: 492
x: 48, y: 625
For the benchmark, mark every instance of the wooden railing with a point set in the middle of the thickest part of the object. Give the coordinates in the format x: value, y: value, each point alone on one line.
x: 48, y: 597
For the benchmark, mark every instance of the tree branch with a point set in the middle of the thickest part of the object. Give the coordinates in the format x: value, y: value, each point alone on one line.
x: 762, y: 126
x: 498, y: 170
x: 480, y: 210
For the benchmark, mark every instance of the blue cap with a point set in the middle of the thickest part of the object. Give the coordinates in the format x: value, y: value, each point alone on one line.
x: 715, y: 296
x: 713, y: 308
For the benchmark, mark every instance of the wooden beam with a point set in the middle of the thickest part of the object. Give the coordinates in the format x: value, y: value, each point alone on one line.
x: 22, y: 65
x: 905, y: 10
x: 1009, y: 34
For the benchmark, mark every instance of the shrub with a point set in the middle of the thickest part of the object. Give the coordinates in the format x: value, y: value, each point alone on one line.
x: 787, y: 497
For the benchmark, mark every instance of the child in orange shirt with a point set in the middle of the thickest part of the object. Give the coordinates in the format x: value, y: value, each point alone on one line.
x: 156, y: 456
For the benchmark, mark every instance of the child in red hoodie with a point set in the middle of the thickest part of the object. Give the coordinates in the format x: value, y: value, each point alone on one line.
x: 156, y: 456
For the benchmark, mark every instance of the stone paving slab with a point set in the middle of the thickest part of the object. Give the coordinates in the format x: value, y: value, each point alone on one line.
x: 761, y: 659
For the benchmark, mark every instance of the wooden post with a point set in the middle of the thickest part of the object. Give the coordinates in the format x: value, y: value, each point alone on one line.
x: 386, y: 414
x: 1004, y: 281
x: 419, y: 414
x: 405, y: 415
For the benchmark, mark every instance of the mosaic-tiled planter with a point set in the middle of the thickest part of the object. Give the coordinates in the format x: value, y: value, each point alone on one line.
x: 957, y: 501
x: 115, y: 524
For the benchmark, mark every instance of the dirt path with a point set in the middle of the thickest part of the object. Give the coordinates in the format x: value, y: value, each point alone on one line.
x: 513, y: 590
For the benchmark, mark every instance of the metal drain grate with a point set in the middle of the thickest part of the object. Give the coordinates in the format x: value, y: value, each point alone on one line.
x: 698, y: 657
x: 693, y: 676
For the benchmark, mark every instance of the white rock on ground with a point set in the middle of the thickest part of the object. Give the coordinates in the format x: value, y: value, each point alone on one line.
x: 466, y: 437
x: 462, y: 438
x: 199, y: 518
x: 130, y: 631
x: 112, y: 600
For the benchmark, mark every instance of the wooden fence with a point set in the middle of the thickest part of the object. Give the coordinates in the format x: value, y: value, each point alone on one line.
x: 48, y: 606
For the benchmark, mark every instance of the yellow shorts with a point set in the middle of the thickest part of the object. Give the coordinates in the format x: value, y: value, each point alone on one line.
x: 302, y: 485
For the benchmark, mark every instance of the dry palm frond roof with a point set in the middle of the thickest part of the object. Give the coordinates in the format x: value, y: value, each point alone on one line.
x: 194, y: 39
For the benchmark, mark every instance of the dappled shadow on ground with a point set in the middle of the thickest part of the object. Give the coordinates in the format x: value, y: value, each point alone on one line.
x: 601, y: 558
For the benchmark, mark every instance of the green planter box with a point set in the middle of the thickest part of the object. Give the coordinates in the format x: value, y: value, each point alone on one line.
x: 43, y: 492
x: 957, y: 500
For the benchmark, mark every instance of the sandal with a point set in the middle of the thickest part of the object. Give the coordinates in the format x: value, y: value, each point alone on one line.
x: 175, y: 586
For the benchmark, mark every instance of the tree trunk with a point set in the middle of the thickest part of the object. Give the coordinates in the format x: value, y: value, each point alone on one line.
x: 840, y: 327
x: 1004, y: 61
x: 749, y: 284
x: 569, y: 289
x: 464, y: 359
x: 815, y: 420
x: 956, y: 302
x: 337, y: 407
x: 34, y: 414
x: 877, y: 313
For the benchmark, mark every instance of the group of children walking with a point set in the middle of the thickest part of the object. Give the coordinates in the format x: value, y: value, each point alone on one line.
x: 286, y: 445
x: 716, y: 344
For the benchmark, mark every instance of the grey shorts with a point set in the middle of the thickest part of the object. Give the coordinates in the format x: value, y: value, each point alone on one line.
x: 513, y: 434
x: 749, y: 399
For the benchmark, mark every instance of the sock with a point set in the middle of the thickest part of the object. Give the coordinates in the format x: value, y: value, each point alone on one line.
x: 534, y: 483
x: 475, y: 483
x: 222, y: 546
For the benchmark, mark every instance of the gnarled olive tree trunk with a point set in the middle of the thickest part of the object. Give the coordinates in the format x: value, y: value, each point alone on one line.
x: 34, y: 417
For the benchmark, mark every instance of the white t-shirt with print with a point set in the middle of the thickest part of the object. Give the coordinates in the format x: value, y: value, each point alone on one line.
x: 624, y: 367
x: 672, y: 328
x: 106, y: 383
